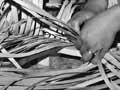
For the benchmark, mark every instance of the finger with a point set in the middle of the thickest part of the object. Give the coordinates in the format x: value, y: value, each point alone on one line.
x: 87, y: 56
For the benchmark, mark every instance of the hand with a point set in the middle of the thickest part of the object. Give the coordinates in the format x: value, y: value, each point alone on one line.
x: 98, y: 34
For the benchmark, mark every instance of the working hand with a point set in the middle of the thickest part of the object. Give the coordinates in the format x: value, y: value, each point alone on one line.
x: 99, y: 33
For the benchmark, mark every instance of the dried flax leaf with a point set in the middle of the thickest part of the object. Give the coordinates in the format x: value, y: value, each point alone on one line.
x: 95, y: 87
x: 77, y: 80
x: 116, y: 56
x: 29, y: 81
x: 7, y: 85
x: 67, y: 11
x: 20, y: 71
x: 27, y: 4
x: 62, y: 9
x: 14, y: 50
x: 50, y: 46
x: 49, y: 87
x: 35, y: 9
x: 28, y: 24
x: 14, y: 19
x: 37, y: 30
x: 32, y: 28
x: 90, y: 82
x: 55, y: 87
x: 111, y: 59
x: 21, y: 41
x: 35, y: 84
x: 54, y: 3
x: 63, y: 15
x: 41, y: 33
x: 25, y: 28
x: 104, y: 76
x: 39, y: 3
x: 15, y: 87
x: 7, y: 79
x: 44, y: 54
x: 112, y: 68
x: 59, y: 77
x: 3, y: 50
x: 11, y: 37
x: 51, y: 22
x: 22, y: 27
x: 5, y: 8
x: 71, y: 12
x: 10, y: 74
x: 51, y: 32
x: 4, y: 24
x: 6, y: 29
x: 33, y: 43
x: 85, y: 68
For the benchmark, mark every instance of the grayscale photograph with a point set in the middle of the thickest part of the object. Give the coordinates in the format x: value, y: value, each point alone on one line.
x: 59, y: 44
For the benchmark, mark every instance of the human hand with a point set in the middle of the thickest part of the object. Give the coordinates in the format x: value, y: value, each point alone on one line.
x: 98, y: 34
